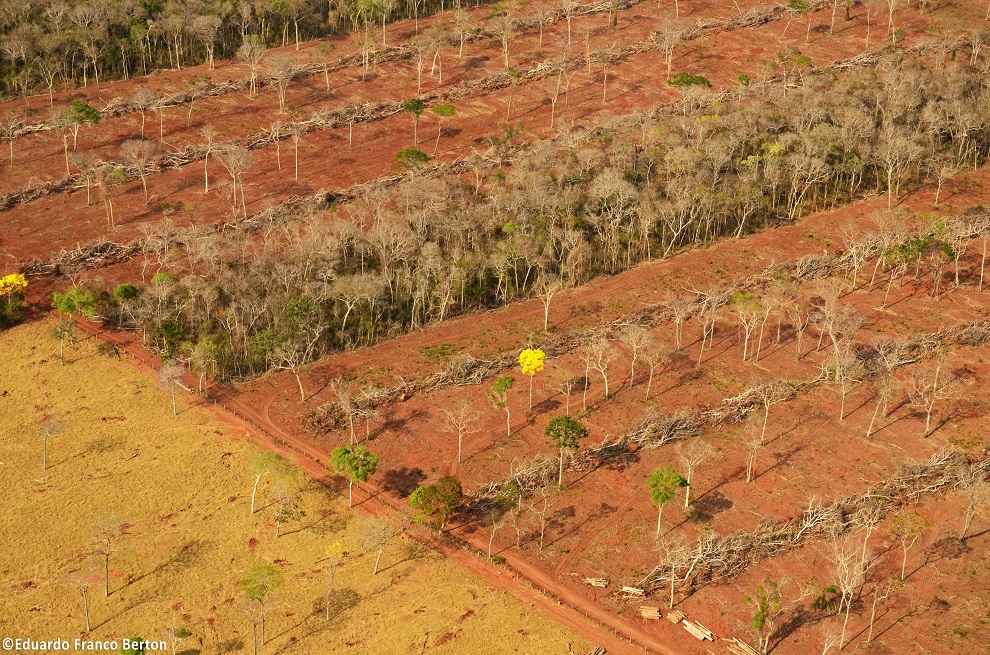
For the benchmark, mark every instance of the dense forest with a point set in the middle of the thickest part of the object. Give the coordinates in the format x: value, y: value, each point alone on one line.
x: 587, y: 204
x: 55, y: 44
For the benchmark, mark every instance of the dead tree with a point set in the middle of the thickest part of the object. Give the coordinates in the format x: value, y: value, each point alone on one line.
x: 459, y: 422
x: 636, y: 339
x: 692, y: 453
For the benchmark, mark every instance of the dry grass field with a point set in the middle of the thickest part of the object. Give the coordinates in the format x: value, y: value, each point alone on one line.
x: 182, y: 488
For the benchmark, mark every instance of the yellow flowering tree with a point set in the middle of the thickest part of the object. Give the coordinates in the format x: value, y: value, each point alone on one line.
x: 12, y: 291
x: 531, y: 360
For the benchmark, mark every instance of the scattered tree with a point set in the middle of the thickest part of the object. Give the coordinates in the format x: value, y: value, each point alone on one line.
x: 565, y: 434
x: 258, y: 582
x: 170, y: 375
x: 356, y: 463
x: 499, y: 395
x: 664, y: 483
x: 908, y: 528
x: 531, y: 363
x: 436, y: 503
x: 691, y: 454
x: 459, y: 421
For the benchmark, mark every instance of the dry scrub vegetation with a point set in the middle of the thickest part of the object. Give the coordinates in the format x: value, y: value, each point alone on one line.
x: 180, y: 487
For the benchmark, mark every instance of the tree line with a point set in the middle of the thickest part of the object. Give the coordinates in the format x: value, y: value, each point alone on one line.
x: 563, y: 213
x: 53, y: 44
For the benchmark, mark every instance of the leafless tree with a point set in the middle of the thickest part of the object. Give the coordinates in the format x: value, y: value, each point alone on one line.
x: 170, y: 375
x: 547, y: 286
x: 81, y: 581
x: 209, y: 134
x: 459, y: 421
x: 49, y: 428
x: 144, y: 100
x: 656, y: 355
x: 691, y: 454
x: 281, y: 70
x: 636, y: 338
x: 251, y: 52
x: 565, y: 383
x: 237, y: 160
x: 680, y: 308
x: 928, y: 386
x: 668, y: 37
x: 106, y: 531
x: 908, y: 527
x: 139, y: 154
x: 977, y: 492
x: 754, y: 441
x: 674, y: 549
x: 568, y: 7
x: 601, y: 355
x: 375, y: 535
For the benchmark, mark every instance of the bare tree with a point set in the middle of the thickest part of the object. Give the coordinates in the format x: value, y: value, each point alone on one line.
x: 106, y: 531
x: 281, y: 70
x: 81, y: 581
x: 680, y: 308
x: 237, y: 160
x: 568, y: 7
x: 209, y: 133
x: 601, y: 355
x: 547, y: 286
x: 754, y: 441
x: 459, y: 422
x: 375, y: 535
x: 908, y: 528
x: 144, y: 100
x: 566, y: 382
x: 251, y: 52
x: 691, y: 454
x: 668, y: 37
x: 656, y: 355
x: 139, y: 154
x: 49, y: 428
x: 927, y: 388
x: 636, y: 338
x: 977, y: 491
x: 170, y: 375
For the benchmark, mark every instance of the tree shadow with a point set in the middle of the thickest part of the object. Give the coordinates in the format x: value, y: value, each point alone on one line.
x: 403, y: 481
x: 704, y: 509
x: 547, y: 406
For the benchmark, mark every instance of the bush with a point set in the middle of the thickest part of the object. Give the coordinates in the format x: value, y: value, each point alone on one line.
x: 411, y: 158
x: 498, y: 560
x: 683, y: 80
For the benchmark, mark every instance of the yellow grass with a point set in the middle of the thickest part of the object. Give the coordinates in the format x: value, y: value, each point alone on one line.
x: 183, y: 486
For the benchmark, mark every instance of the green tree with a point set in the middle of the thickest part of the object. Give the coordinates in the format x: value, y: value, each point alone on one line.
x: 564, y: 433
x: 499, y: 395
x: 411, y: 158
x: 664, y: 483
x: 436, y: 503
x: 356, y: 463
x: 414, y: 106
x: 766, y: 607
x: 134, y: 646
x: 442, y: 110
x: 74, y: 302
x: 79, y: 113
x: 908, y: 528
x: 259, y: 581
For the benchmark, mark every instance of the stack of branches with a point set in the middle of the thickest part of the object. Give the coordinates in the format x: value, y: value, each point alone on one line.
x: 716, y: 558
x: 102, y: 253
x: 527, y: 478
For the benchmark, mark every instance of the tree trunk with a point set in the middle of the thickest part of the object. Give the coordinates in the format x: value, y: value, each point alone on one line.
x: 350, y: 494
x: 106, y: 572
x: 659, y: 515
x: 85, y: 597
x: 378, y: 559
x: 255, y: 491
